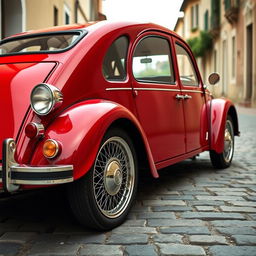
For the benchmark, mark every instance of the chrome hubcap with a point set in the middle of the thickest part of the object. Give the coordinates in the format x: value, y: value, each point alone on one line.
x: 228, y: 141
x: 113, y: 177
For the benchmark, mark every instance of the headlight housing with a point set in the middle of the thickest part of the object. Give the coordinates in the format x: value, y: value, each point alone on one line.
x: 44, y: 98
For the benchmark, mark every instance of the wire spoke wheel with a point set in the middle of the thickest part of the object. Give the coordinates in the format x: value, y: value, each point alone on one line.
x: 103, y: 197
x: 228, y: 141
x: 113, y: 177
x: 223, y: 160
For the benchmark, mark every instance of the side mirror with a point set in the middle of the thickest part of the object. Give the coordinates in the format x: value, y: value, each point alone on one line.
x: 214, y: 78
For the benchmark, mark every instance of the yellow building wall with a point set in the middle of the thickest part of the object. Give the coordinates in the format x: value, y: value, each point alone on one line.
x: 233, y: 86
x: 40, y: 13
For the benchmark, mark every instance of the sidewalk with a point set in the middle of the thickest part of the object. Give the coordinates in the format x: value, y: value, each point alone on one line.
x: 246, y: 111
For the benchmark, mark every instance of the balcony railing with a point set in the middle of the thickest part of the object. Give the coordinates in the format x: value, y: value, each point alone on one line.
x: 231, y: 10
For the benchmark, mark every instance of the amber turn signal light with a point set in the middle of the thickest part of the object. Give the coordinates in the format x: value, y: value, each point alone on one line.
x: 51, y: 148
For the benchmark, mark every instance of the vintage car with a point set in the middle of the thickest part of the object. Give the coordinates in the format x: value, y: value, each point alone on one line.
x: 92, y: 105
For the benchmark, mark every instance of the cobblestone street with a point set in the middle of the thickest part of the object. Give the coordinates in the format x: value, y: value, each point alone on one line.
x: 192, y: 209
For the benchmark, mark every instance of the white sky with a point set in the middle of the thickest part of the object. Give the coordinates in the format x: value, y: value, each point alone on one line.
x: 162, y: 12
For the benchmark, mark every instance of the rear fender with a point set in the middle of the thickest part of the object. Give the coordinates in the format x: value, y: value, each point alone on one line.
x: 219, y: 110
x: 80, y: 130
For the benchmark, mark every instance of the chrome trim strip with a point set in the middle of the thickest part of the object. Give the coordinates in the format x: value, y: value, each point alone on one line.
x: 9, y: 148
x: 152, y: 89
x: 42, y: 182
x: 35, y: 169
x: 30, y: 175
x: 142, y: 89
x: 118, y: 89
x: 192, y: 91
x: 157, y: 89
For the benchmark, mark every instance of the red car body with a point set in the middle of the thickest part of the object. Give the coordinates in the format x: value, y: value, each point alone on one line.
x: 164, y: 128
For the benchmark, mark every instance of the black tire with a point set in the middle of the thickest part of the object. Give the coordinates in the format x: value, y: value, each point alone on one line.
x: 102, y: 198
x: 224, y: 159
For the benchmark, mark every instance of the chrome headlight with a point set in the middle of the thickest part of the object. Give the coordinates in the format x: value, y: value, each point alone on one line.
x: 44, y: 98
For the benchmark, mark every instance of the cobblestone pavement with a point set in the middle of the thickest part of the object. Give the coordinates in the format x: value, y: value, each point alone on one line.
x: 191, y: 209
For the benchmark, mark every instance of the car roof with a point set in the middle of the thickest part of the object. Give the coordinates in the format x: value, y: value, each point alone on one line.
x: 108, y: 26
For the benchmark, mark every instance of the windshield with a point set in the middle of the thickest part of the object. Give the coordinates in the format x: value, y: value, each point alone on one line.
x: 40, y: 43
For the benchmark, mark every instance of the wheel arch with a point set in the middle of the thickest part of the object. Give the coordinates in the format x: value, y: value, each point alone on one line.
x: 232, y: 112
x: 220, y: 109
x: 145, y: 160
x: 80, y: 130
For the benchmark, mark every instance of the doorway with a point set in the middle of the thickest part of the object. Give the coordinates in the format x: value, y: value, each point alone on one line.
x: 11, y: 17
x: 249, y: 62
x: 224, y: 68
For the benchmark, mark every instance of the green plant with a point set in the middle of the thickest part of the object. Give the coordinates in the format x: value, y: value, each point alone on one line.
x: 194, y: 29
x: 201, y: 44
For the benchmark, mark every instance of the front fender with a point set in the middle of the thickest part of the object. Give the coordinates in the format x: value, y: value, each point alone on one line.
x: 80, y: 130
x: 219, y: 110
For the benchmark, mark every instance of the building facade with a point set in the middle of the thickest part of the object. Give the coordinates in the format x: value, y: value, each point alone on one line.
x: 230, y: 25
x: 22, y: 15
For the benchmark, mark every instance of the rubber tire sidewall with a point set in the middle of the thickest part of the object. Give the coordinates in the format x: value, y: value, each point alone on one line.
x: 217, y: 159
x: 81, y: 193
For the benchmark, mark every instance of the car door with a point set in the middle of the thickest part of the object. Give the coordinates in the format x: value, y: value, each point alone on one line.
x: 155, y: 87
x: 193, y: 97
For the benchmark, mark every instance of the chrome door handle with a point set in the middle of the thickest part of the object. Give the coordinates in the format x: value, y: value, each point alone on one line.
x: 179, y: 97
x: 186, y: 97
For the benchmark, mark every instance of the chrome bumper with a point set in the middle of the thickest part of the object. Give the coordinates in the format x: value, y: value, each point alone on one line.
x: 12, y: 174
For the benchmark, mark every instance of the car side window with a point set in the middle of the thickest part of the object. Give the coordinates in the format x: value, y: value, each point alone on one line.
x: 114, y: 64
x: 187, y: 72
x: 152, y: 61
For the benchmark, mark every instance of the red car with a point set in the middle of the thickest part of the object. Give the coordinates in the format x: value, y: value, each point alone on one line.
x: 91, y: 105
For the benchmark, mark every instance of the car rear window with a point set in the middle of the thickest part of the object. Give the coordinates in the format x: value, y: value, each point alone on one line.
x: 114, y: 64
x: 40, y: 43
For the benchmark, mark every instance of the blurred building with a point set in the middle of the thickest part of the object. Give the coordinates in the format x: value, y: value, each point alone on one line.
x: 22, y: 15
x: 222, y: 34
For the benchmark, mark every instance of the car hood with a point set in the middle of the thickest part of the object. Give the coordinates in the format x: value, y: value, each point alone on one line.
x: 16, y: 83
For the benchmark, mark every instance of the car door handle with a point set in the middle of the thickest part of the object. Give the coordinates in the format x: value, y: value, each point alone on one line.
x: 179, y: 97
x: 186, y: 97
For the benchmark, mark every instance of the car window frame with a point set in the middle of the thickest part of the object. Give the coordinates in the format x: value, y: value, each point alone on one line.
x: 81, y: 34
x: 183, y: 44
x: 171, y: 59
